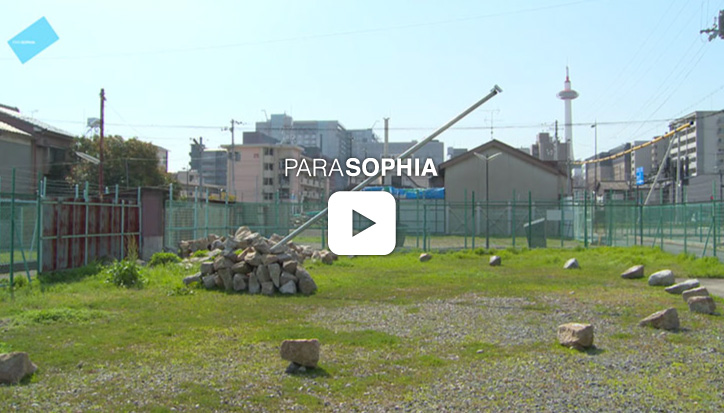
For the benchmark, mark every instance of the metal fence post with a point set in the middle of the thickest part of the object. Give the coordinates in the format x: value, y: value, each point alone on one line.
x: 140, y: 222
x: 512, y: 226
x: 465, y: 218
x: 424, y: 226
x: 530, y: 219
x: 560, y: 227
x: 475, y: 226
x: 86, y: 200
x: 169, y: 224
x: 685, y: 229
x: 206, y: 215
x: 713, y: 218
x: 585, y: 219
x: 196, y: 210
x: 123, y: 224
x: 38, y: 223
x: 417, y: 222
x: 12, y: 232
x: 641, y: 224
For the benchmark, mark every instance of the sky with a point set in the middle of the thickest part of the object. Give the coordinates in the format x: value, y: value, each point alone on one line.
x: 178, y: 70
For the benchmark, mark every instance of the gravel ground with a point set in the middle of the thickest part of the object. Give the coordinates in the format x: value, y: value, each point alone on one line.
x: 519, y: 367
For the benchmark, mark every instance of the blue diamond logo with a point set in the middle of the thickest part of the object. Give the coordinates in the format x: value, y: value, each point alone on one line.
x: 33, y: 40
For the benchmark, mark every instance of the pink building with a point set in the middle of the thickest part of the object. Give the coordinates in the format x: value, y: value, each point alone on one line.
x: 258, y: 175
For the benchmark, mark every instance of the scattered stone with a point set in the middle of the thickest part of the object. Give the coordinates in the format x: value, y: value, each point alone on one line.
x: 495, y: 261
x: 425, y: 257
x: 307, y: 286
x: 262, y: 246
x: 576, y: 335
x: 480, y: 351
x: 662, y: 278
x: 695, y: 292
x: 682, y: 286
x: 254, y: 286
x: 209, y: 281
x: 637, y: 271
x: 571, y: 264
x: 302, y: 352
x: 217, y: 245
x: 293, y: 368
x: 16, y: 366
x: 702, y: 305
x: 239, y: 282
x: 327, y: 257
x: 275, y: 272
x: 192, y: 278
x: 665, y: 319
x: 290, y: 287
x: 221, y: 263
x: 267, y: 288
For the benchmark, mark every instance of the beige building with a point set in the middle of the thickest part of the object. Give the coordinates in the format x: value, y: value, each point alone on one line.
x: 258, y: 175
x: 510, y: 170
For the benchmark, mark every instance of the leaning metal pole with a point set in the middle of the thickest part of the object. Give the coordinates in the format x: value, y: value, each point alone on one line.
x: 496, y: 89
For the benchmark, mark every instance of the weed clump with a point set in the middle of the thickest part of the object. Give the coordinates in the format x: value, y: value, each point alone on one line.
x: 163, y: 258
x: 126, y: 274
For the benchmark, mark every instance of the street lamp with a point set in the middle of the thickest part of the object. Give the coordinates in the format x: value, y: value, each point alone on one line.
x: 487, y: 159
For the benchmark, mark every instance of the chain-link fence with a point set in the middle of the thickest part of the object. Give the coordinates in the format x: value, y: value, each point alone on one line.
x: 440, y: 224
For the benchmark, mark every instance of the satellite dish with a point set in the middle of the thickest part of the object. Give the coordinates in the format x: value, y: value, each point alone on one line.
x: 88, y: 158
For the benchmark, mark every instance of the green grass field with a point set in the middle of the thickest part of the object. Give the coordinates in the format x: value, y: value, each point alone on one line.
x: 452, y: 333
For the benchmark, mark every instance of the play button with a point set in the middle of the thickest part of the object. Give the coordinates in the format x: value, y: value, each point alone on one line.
x: 361, y: 222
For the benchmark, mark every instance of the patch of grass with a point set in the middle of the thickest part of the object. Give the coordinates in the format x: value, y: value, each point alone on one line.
x: 227, y: 345
x: 200, y: 253
x: 57, y: 316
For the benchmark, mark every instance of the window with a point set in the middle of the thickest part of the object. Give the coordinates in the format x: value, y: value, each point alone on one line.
x: 256, y: 156
x: 268, y: 151
x: 268, y: 166
x: 268, y: 196
x: 237, y: 157
x: 268, y: 181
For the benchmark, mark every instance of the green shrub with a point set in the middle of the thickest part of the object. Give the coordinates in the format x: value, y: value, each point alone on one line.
x: 163, y: 258
x: 200, y: 253
x: 125, y: 273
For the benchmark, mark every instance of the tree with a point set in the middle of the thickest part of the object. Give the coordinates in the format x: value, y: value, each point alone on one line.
x: 128, y: 163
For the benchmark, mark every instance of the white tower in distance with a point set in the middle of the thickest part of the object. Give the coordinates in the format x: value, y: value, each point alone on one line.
x: 567, y: 95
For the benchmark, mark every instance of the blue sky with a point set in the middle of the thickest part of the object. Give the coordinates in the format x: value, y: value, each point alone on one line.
x: 170, y: 65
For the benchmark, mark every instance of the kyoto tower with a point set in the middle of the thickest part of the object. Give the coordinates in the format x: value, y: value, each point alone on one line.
x: 567, y: 95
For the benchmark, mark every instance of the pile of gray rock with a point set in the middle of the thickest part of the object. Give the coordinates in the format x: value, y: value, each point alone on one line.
x: 249, y: 262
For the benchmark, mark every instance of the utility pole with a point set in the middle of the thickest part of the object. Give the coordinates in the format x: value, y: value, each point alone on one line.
x: 232, y: 156
x: 100, y: 144
x: 716, y: 30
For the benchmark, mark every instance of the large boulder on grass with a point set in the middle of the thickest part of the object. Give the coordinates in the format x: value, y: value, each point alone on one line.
x: 702, y: 305
x: 575, y: 335
x: 495, y: 261
x: 425, y: 257
x: 682, y: 286
x: 637, y: 271
x: 307, y: 286
x: 302, y: 352
x: 695, y: 292
x: 663, y: 278
x: 665, y: 319
x: 571, y: 264
x: 14, y: 367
